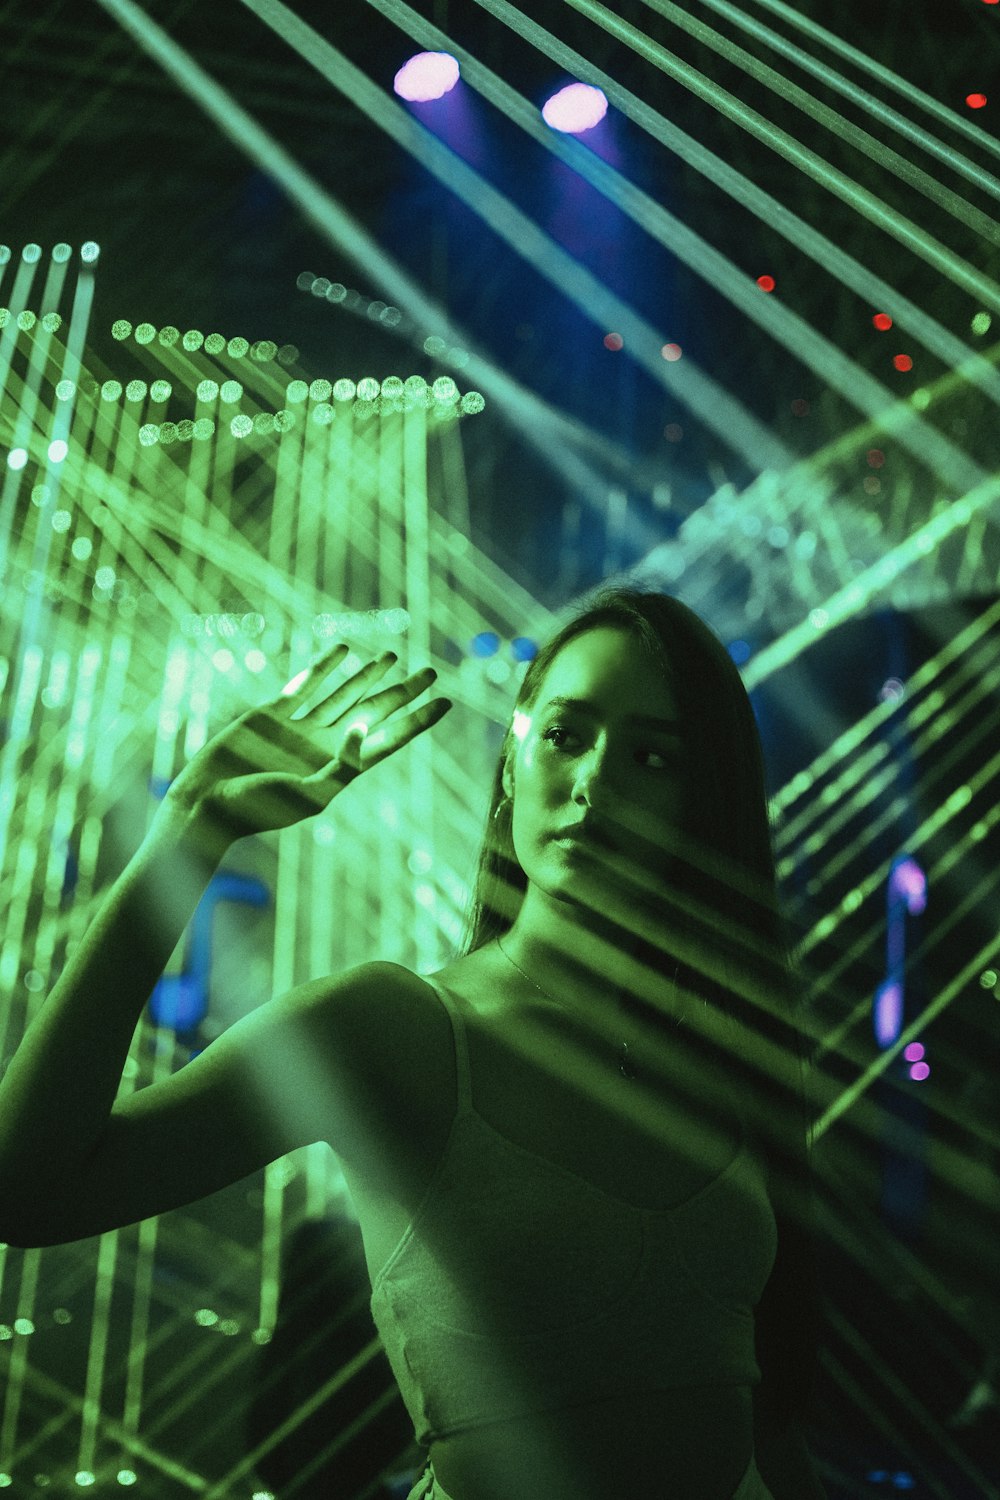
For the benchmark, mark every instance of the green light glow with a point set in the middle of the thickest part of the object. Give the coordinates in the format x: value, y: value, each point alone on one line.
x: 162, y: 546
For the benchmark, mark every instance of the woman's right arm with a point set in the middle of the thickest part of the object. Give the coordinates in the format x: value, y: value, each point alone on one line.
x: 72, y: 1161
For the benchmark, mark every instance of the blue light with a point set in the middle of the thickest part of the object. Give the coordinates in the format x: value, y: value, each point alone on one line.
x: 522, y: 648
x: 486, y: 643
x: 740, y: 651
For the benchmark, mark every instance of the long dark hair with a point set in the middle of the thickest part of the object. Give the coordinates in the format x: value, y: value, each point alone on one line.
x: 721, y: 938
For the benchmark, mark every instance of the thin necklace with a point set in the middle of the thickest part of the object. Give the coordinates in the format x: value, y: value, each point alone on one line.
x: 626, y: 1065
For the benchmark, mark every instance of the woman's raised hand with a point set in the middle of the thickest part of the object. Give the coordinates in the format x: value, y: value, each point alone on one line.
x: 288, y: 758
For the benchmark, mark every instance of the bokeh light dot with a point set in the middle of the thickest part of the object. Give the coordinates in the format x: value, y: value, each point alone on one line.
x: 613, y: 341
x: 976, y: 101
x: 575, y: 108
x: 766, y: 283
x: 903, y: 362
x: 671, y: 353
x: 914, y: 1052
x: 428, y: 75
x: 919, y: 1072
x: 486, y: 643
x: 882, y: 322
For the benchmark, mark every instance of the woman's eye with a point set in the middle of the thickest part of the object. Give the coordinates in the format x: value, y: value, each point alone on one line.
x: 558, y: 734
x: 551, y: 733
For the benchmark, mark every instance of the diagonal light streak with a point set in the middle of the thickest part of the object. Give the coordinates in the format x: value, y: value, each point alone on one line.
x: 917, y: 1028
x: 866, y: 101
x: 866, y: 203
x: 651, y: 217
x: 545, y: 428
x: 847, y: 601
x: 846, y: 744
x: 876, y: 150
x: 867, y: 64
x: 714, y: 406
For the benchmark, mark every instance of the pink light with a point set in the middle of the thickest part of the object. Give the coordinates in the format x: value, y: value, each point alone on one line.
x: 671, y: 352
x: 919, y: 1072
x: 574, y: 109
x: 914, y: 1052
x: 614, y: 342
x: 429, y: 75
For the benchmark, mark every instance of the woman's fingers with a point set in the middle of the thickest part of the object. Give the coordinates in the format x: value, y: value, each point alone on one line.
x: 391, y: 737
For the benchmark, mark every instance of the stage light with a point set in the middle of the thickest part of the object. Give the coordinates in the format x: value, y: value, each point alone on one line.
x: 882, y: 322
x: 613, y: 341
x: 766, y: 283
x: 982, y: 322
x: 976, y: 101
x: 576, y: 108
x: 914, y: 1052
x: 17, y: 458
x: 486, y: 643
x: 671, y: 352
x: 903, y: 362
x: 429, y: 75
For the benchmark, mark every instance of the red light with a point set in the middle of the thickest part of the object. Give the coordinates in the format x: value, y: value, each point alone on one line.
x: 976, y: 101
x: 671, y: 352
x: 766, y: 283
x: 903, y: 362
x: 876, y: 458
x: 882, y: 321
x: 613, y: 341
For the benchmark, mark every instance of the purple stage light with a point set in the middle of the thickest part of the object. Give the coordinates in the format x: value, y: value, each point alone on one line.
x: 429, y: 75
x: 908, y: 881
x: 575, y: 108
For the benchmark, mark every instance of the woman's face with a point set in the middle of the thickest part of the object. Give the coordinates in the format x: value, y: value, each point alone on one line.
x: 597, y: 779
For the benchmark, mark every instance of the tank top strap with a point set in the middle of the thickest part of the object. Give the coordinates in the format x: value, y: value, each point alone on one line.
x: 460, y: 1040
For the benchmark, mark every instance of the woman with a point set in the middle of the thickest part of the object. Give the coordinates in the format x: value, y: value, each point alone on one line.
x: 577, y: 1153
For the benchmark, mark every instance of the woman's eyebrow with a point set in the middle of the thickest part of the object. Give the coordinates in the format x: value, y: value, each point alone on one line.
x: 584, y: 706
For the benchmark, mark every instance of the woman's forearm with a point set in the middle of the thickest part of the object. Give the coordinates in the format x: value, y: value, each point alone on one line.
x: 58, y: 1090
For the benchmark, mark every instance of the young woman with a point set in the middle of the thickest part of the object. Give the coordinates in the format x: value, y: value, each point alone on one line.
x: 577, y: 1153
